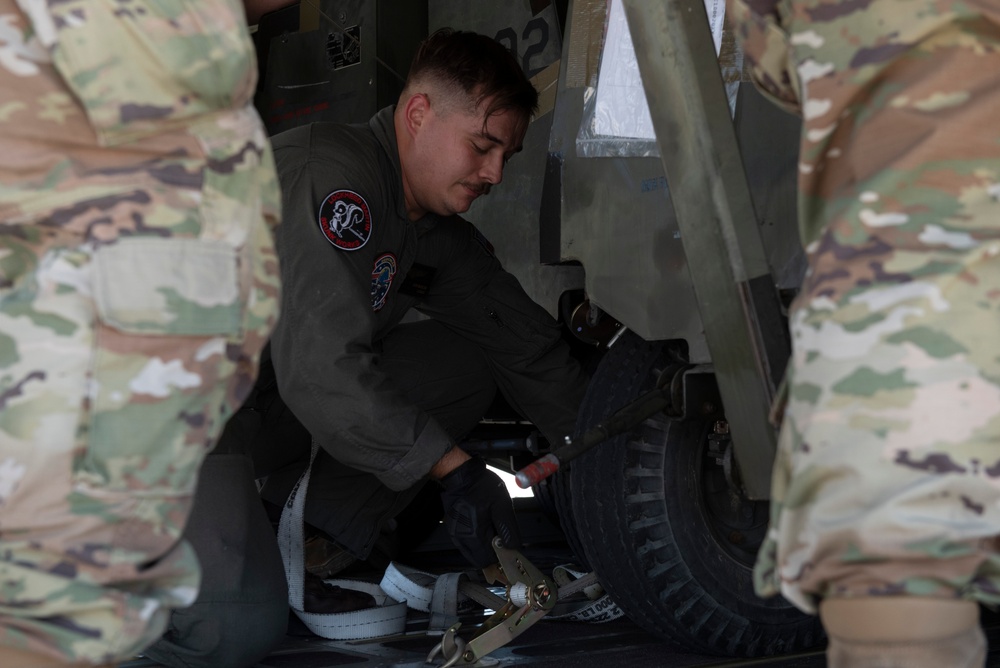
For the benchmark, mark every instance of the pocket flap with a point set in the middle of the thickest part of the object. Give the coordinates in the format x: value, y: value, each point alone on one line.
x: 168, y: 286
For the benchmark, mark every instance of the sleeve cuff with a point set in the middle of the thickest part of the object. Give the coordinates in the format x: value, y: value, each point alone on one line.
x: 429, y: 447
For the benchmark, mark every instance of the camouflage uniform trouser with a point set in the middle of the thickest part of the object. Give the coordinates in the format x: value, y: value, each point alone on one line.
x: 887, y: 479
x: 138, y: 283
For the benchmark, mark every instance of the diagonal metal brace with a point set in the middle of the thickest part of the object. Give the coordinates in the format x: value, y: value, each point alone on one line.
x: 739, y: 304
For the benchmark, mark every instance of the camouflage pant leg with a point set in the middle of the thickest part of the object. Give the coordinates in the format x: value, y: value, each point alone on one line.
x: 138, y: 283
x: 887, y: 480
x: 102, y: 431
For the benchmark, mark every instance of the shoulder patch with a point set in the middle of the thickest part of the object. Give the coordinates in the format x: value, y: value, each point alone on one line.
x: 345, y: 220
x: 382, y: 272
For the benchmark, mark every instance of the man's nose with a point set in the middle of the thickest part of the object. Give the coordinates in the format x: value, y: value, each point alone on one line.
x: 492, y: 169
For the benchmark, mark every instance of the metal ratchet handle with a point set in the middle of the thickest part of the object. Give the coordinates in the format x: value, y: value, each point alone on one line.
x: 530, y: 596
x: 524, y: 580
x: 514, y: 622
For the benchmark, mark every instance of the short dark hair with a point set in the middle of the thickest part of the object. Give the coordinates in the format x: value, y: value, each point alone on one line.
x: 479, y: 66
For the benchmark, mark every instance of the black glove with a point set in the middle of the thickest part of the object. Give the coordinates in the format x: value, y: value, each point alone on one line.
x: 477, y: 508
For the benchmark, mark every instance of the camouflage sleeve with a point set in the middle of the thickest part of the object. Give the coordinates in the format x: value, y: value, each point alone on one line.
x: 766, y: 48
x: 885, y: 475
x: 196, y: 58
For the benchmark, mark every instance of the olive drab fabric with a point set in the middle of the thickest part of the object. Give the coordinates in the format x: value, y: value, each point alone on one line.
x: 886, y: 479
x: 138, y: 283
x: 357, y: 266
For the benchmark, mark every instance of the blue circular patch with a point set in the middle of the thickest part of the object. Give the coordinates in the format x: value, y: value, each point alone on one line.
x: 382, y: 273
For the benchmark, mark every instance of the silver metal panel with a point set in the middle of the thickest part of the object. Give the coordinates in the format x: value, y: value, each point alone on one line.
x: 618, y: 221
x: 769, y: 144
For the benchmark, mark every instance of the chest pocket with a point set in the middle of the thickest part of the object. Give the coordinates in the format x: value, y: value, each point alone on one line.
x: 171, y: 317
x: 142, y: 67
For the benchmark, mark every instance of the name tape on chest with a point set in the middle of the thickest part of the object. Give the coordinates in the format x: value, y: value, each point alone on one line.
x: 418, y: 281
x: 345, y: 220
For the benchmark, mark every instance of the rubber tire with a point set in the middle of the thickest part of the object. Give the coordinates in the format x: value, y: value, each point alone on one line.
x: 561, y: 491
x: 642, y: 522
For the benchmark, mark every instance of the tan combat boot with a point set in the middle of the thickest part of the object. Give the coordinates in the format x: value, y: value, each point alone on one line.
x: 902, y: 632
x: 11, y: 657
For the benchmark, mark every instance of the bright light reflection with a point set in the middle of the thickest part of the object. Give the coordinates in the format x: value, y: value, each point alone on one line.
x: 512, y: 488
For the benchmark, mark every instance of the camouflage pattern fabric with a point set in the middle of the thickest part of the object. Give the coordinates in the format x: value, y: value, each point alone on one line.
x: 138, y: 283
x: 887, y: 479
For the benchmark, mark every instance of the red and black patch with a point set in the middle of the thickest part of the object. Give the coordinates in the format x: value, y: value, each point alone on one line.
x: 345, y: 220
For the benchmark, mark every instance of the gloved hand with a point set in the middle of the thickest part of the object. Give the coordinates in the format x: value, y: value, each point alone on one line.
x: 477, y: 508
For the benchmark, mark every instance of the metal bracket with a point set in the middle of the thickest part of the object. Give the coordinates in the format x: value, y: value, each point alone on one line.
x: 530, y: 596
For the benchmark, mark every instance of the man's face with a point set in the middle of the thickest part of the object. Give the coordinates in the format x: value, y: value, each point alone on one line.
x: 457, y: 158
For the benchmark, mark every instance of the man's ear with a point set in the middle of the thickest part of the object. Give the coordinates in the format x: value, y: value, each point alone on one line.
x: 415, y: 112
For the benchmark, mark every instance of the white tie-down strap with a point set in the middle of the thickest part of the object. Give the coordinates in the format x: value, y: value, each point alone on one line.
x: 387, y: 618
x: 444, y: 596
x: 596, y: 609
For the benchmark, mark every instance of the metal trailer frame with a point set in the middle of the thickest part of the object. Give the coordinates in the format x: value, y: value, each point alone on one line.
x: 736, y: 296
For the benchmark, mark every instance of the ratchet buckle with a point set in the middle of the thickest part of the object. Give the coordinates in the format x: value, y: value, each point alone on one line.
x: 530, y: 596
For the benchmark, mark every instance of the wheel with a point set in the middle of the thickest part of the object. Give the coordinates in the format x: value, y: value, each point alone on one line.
x: 672, y: 542
x: 554, y: 497
x: 560, y: 488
